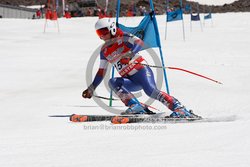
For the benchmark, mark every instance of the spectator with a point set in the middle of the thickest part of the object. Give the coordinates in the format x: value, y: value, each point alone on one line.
x: 38, y: 14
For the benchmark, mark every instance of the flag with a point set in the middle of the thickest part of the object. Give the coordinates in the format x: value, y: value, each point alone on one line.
x: 195, y: 17
x: 208, y: 16
x: 145, y: 31
x: 174, y: 15
x: 187, y: 8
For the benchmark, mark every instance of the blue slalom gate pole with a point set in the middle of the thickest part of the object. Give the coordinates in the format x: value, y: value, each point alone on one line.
x: 113, y: 69
x: 159, y: 44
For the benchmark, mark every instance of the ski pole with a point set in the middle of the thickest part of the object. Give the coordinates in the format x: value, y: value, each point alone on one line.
x: 105, y: 98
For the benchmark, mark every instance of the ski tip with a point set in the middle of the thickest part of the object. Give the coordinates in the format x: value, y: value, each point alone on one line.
x: 119, y: 120
x: 78, y: 118
x: 59, y: 116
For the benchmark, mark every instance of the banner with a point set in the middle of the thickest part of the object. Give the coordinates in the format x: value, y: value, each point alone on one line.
x: 187, y: 8
x: 195, y: 17
x: 208, y: 16
x: 174, y: 15
x: 145, y: 31
x: 148, y: 31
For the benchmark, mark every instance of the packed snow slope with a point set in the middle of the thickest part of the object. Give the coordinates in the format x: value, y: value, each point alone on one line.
x: 44, y: 74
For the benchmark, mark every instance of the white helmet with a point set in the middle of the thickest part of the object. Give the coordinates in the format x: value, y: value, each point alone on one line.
x: 106, y: 23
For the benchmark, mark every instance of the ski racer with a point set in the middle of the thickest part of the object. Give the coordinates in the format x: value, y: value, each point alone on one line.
x: 121, y: 49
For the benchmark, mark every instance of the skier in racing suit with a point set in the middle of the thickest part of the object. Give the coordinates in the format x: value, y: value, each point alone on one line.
x: 121, y: 49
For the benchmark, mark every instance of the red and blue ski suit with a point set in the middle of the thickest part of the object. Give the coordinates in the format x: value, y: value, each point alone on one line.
x: 134, y: 76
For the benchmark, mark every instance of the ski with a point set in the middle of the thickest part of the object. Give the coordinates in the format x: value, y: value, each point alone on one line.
x: 156, y: 118
x: 94, y: 118
x: 90, y: 118
x: 85, y: 118
x: 125, y: 120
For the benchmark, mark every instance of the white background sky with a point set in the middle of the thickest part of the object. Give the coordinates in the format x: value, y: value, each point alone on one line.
x: 214, y: 2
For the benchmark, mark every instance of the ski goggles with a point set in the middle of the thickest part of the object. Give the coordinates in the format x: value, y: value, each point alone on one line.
x: 102, y: 32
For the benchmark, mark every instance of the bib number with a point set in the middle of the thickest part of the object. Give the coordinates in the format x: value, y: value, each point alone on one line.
x: 118, y: 65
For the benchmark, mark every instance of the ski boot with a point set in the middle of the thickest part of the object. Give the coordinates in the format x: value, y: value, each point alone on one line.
x: 134, y: 108
x: 180, y: 111
x: 148, y: 111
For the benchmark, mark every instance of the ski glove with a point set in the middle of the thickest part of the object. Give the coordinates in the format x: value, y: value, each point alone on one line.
x: 88, y: 93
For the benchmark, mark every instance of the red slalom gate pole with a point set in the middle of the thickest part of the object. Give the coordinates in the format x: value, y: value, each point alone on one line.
x: 181, y: 69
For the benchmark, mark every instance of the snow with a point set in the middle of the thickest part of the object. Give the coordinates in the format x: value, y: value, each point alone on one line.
x: 214, y: 2
x: 44, y: 74
x: 34, y: 6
